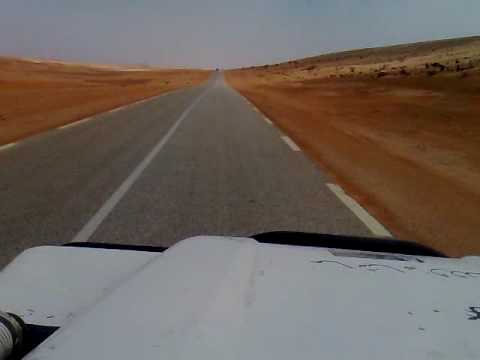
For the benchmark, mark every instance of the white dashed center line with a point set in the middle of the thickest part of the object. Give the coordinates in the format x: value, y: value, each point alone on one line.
x: 91, y: 226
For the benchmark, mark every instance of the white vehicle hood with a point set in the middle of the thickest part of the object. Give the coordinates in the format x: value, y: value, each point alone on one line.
x: 233, y: 298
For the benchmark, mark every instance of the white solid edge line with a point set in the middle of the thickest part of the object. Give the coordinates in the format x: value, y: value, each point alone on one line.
x: 373, y: 225
x: 7, y: 146
x: 291, y: 143
x: 114, y: 110
x: 75, y: 123
x: 267, y: 120
x: 91, y: 226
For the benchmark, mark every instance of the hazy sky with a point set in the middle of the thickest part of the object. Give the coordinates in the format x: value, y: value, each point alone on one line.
x: 222, y: 33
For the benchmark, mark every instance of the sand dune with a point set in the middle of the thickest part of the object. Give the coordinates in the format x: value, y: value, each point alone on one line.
x: 397, y: 127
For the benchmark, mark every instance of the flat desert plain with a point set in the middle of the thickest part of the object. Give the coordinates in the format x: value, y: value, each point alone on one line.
x: 37, y: 95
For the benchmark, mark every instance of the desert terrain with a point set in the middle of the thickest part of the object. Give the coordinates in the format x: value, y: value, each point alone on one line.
x: 37, y: 95
x: 398, y: 127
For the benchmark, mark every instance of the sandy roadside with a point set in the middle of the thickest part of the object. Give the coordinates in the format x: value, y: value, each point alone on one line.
x: 407, y: 147
x: 37, y: 96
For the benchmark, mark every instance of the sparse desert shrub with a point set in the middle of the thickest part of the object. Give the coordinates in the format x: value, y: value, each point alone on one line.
x: 463, y: 67
x: 352, y: 69
x: 404, y: 72
x: 439, y: 66
x: 382, y: 74
x: 427, y: 66
x: 431, y: 72
x: 310, y: 68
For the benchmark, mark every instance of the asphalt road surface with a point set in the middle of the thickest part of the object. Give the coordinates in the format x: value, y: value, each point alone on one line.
x: 200, y: 161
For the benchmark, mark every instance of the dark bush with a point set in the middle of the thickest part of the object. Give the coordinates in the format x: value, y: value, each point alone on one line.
x: 439, y: 66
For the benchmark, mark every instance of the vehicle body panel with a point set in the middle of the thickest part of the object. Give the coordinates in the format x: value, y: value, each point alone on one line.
x: 236, y: 298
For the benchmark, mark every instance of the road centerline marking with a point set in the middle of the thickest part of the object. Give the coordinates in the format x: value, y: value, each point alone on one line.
x: 267, y: 120
x: 373, y: 225
x: 291, y: 143
x: 92, y: 225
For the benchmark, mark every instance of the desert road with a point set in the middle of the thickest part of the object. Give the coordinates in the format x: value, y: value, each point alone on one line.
x: 192, y: 162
